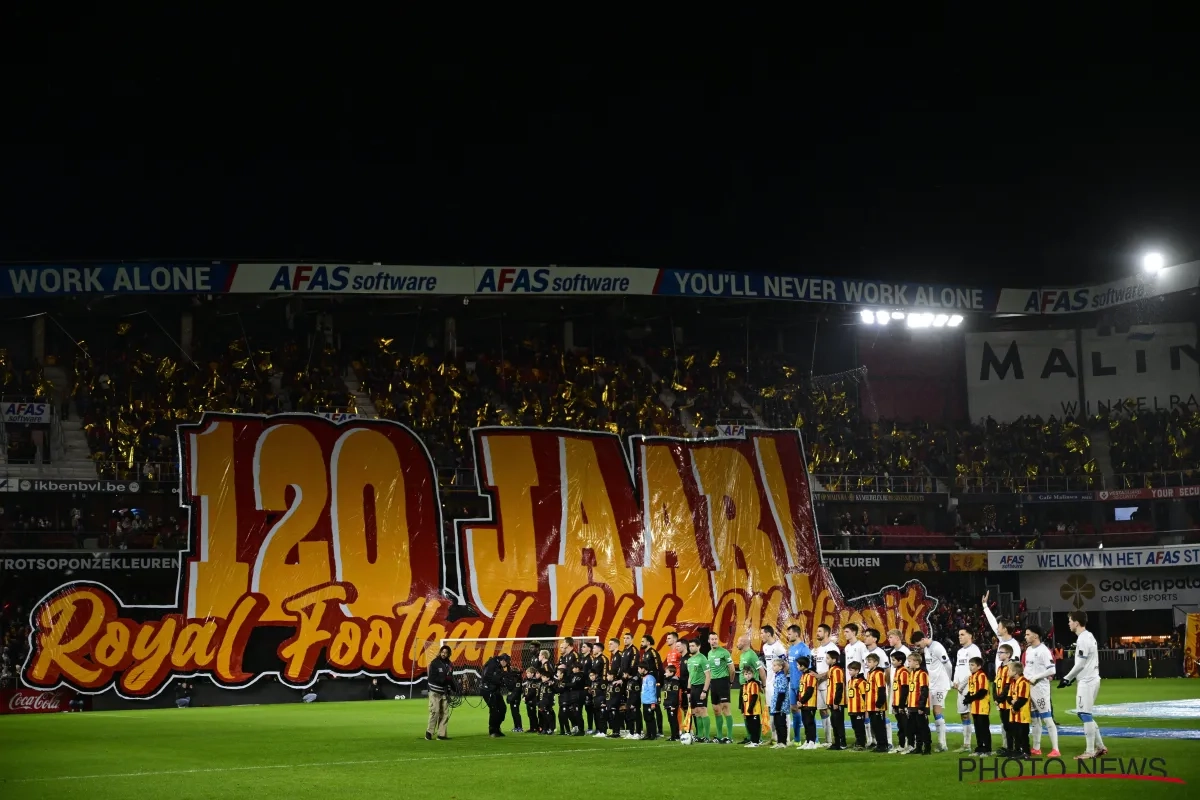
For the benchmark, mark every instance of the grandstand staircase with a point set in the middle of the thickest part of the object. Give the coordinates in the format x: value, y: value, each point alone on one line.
x: 363, y: 405
x: 71, y: 457
x: 1101, y: 452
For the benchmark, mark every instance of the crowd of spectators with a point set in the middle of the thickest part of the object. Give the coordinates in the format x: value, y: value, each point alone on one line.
x: 1154, y: 449
x: 132, y: 386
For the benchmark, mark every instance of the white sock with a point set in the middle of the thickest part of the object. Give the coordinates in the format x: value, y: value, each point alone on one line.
x: 941, y: 732
x: 1052, y: 729
x: 828, y: 729
x: 966, y: 734
x: 1089, y: 735
x: 1099, y: 739
x: 1035, y: 733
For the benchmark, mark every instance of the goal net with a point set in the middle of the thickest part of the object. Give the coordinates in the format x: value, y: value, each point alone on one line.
x: 469, y: 655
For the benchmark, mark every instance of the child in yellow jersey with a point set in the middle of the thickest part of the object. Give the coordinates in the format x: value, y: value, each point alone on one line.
x: 877, y: 702
x: 806, y: 698
x: 981, y: 707
x: 900, y: 701
x: 1002, y: 701
x: 857, y: 691
x: 751, y: 697
x: 918, y: 706
x: 1018, y: 692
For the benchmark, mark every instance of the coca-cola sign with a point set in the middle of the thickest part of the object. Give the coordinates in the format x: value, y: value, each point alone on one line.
x: 28, y: 701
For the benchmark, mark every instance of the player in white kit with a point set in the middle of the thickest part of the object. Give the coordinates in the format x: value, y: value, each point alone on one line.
x: 967, y: 649
x: 823, y: 645
x: 1087, y: 672
x: 772, y: 649
x: 937, y: 664
x: 1003, y: 629
x: 1039, y: 671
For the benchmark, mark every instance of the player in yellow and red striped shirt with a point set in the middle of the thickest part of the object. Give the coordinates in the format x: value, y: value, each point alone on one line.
x: 1018, y: 692
x: 918, y: 706
x: 900, y: 700
x: 981, y: 707
x: 877, y: 702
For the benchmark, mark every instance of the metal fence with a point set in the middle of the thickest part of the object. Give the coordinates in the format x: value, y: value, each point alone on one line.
x: 1045, y: 483
x: 903, y: 484
x: 1152, y: 480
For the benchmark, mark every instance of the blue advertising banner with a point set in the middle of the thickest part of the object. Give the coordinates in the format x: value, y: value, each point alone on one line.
x: 169, y: 278
x: 707, y: 283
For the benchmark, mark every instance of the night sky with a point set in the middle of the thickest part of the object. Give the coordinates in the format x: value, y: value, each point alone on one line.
x: 1021, y: 164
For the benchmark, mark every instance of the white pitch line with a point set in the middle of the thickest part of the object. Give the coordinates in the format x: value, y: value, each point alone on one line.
x: 200, y: 770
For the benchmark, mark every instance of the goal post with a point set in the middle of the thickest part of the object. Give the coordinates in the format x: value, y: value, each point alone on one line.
x: 467, y: 656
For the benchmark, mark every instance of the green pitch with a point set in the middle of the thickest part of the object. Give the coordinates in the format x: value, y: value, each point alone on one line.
x: 366, y: 750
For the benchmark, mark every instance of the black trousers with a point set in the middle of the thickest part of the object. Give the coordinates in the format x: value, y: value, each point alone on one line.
x: 809, y: 717
x: 1006, y: 726
x: 672, y: 715
x: 779, y: 721
x: 547, y: 719
x: 754, y: 728
x: 496, y: 710
x: 591, y: 720
x: 859, y: 723
x: 515, y: 709
x: 616, y: 719
x: 635, y: 704
x: 1020, y: 737
x: 658, y: 717
x: 837, y: 721
x: 918, y: 729
x: 983, y: 732
x: 532, y: 712
x: 879, y: 731
x: 650, y: 713
x: 901, y: 726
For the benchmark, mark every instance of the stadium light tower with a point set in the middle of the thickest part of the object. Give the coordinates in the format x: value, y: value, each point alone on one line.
x: 1153, y: 262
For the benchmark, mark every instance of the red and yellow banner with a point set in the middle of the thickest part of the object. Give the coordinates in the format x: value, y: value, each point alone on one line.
x: 330, y: 537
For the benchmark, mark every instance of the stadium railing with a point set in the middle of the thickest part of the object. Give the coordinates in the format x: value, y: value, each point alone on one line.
x: 149, y: 471
x: 1152, y: 480
x: 1140, y: 662
x: 168, y: 471
x: 902, y: 484
x: 915, y: 538
x: 1045, y: 483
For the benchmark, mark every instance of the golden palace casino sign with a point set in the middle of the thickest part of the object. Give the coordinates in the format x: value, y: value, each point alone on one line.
x: 332, y: 533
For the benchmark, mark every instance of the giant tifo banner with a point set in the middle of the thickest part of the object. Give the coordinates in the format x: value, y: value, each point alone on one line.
x: 1143, y: 368
x: 321, y: 546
